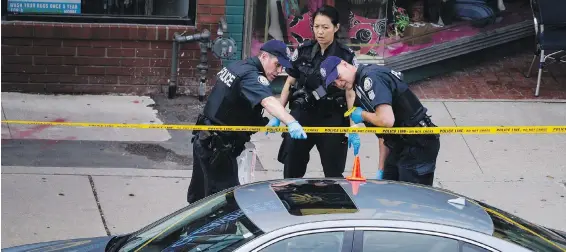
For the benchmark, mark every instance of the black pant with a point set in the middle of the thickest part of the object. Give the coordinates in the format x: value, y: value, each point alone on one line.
x: 333, y: 148
x: 414, y: 161
x: 214, y: 166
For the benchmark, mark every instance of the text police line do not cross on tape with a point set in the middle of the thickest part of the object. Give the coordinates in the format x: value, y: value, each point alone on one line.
x: 330, y: 130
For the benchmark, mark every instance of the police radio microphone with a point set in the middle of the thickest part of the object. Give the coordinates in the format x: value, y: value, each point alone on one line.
x: 319, y: 92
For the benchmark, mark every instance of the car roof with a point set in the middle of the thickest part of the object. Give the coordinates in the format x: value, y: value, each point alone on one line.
x: 275, y: 204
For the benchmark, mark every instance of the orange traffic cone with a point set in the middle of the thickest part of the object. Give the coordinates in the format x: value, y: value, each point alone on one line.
x: 356, y: 173
x: 356, y: 179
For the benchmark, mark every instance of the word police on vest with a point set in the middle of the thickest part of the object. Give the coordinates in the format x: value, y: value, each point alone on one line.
x: 226, y: 76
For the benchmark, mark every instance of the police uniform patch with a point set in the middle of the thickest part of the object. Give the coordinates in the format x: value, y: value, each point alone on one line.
x: 355, y: 61
x: 295, y: 55
x: 323, y: 72
x: 368, y: 83
x: 371, y: 95
x: 358, y: 93
x: 397, y: 74
x: 263, y: 80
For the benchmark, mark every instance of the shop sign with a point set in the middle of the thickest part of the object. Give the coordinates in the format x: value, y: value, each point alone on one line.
x: 45, y: 6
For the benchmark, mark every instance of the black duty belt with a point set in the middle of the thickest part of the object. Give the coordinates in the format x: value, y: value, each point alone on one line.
x: 229, y: 135
x: 425, y: 122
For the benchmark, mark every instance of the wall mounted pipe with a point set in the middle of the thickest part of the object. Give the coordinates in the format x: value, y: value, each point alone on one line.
x: 223, y: 25
x: 178, y: 39
x: 222, y: 47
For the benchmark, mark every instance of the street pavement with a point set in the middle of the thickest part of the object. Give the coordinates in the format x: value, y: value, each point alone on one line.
x: 65, y: 182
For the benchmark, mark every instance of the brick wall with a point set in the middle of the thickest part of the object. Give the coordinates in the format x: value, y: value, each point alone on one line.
x: 102, y: 58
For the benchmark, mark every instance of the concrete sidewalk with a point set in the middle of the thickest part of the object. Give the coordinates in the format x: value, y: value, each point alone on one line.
x: 522, y: 174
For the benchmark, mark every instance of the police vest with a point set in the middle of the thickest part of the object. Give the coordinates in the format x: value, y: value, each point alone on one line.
x: 407, y: 108
x: 226, y: 105
x: 307, y: 60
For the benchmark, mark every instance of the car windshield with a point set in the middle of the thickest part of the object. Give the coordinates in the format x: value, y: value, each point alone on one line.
x: 215, y: 224
x: 526, y: 234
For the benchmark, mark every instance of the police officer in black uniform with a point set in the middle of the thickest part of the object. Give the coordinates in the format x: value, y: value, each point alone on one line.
x: 238, y: 98
x: 315, y: 105
x: 387, y: 101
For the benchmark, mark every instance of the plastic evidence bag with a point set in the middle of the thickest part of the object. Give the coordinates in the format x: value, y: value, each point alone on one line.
x: 246, y: 166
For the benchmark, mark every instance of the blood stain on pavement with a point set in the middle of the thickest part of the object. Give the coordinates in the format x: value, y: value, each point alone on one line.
x: 34, y: 130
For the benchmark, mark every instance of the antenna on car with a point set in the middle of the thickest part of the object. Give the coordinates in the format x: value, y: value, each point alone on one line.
x: 459, y: 202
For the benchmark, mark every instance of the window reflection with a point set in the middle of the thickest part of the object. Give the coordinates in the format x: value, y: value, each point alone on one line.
x: 383, y: 241
x: 314, y: 197
x: 217, y: 224
x: 526, y: 234
x: 319, y: 242
x: 378, y: 29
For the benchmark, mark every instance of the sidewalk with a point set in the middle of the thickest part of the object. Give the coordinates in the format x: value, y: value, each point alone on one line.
x: 495, y: 77
x: 522, y: 174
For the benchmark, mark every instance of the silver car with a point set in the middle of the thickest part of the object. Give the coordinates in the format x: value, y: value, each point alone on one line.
x: 329, y: 215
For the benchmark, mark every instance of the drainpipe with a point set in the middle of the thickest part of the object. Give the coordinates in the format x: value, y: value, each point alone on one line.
x: 223, y: 26
x: 203, y: 37
x: 203, y: 69
x: 222, y: 47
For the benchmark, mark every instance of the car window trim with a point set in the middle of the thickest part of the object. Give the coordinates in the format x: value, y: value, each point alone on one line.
x: 346, y: 230
x: 418, y: 231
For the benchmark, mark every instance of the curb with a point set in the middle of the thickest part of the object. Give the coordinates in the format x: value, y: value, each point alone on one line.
x: 498, y: 100
x: 120, y: 172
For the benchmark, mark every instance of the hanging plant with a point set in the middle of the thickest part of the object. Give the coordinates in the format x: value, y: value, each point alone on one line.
x: 401, y: 21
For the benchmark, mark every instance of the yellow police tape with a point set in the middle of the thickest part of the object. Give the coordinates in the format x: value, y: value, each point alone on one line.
x: 349, y: 112
x: 375, y: 130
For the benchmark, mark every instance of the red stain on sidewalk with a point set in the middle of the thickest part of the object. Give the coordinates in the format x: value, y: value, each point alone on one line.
x: 34, y: 130
x: 30, y: 133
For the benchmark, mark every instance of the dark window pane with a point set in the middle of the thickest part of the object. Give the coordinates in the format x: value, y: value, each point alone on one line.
x: 314, y: 197
x: 523, y: 233
x: 169, y: 12
x: 217, y: 224
x: 176, y: 8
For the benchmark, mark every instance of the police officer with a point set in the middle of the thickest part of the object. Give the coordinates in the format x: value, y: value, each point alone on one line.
x: 387, y: 101
x: 238, y: 98
x: 315, y: 105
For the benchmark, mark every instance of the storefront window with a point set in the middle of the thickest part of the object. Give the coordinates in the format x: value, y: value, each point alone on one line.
x: 379, y: 29
x: 452, y: 20
x: 128, y: 11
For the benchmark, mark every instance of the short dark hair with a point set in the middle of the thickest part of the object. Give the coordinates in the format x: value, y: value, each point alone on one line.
x: 330, y: 12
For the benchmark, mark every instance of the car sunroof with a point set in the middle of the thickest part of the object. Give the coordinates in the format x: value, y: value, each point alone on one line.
x: 313, y: 197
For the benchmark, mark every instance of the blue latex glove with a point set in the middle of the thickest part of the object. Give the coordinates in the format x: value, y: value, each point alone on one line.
x: 379, y: 175
x: 356, y: 116
x: 354, y: 139
x: 296, y: 130
x: 274, y: 122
